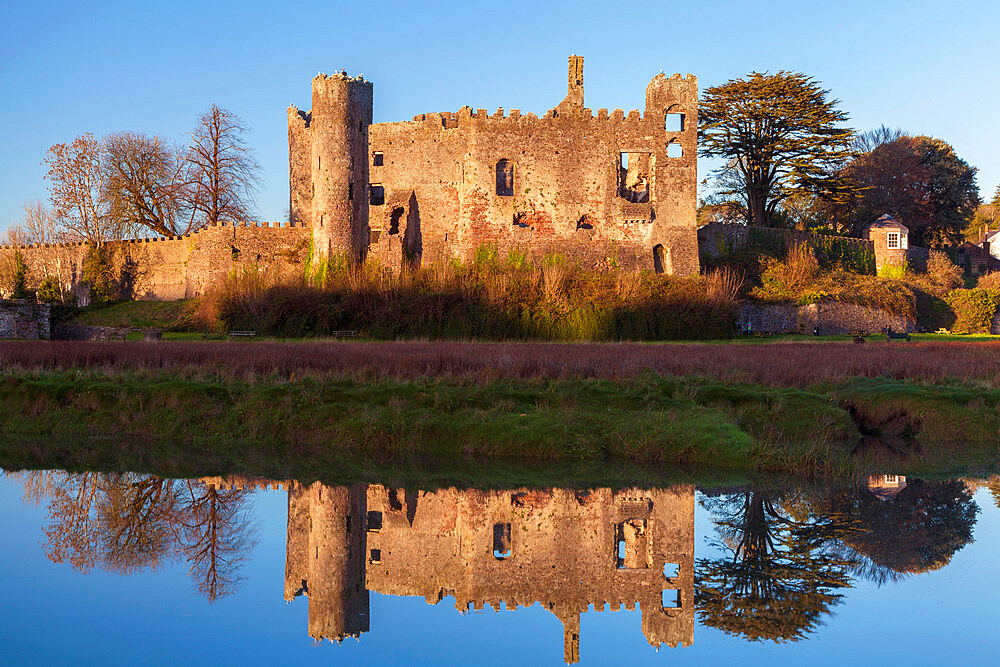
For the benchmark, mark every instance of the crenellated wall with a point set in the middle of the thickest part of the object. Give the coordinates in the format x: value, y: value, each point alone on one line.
x: 178, y: 267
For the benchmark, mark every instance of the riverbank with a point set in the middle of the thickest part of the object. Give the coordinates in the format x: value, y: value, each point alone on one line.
x: 317, y: 410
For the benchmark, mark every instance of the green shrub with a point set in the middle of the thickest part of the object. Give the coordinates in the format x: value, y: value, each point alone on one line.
x: 50, y: 291
x: 974, y: 309
x: 894, y: 271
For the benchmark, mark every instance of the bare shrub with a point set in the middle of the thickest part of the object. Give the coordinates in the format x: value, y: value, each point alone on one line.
x: 990, y: 280
x: 724, y: 285
x: 556, y: 272
x: 943, y: 271
x: 799, y: 268
x: 628, y: 284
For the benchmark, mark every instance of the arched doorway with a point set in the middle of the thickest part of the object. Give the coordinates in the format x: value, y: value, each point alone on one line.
x: 661, y: 259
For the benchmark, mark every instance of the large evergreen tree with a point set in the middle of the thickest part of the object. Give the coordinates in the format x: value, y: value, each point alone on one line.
x: 779, y: 134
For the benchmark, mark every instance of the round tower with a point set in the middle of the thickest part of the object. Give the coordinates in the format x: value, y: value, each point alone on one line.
x: 341, y: 114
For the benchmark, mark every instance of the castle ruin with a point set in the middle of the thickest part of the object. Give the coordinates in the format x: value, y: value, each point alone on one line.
x: 606, y: 190
x: 603, y: 190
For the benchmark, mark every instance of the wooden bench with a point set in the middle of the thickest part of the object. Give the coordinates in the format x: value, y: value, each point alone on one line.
x: 891, y: 336
x: 242, y: 334
x: 344, y: 334
x: 858, y: 336
x: 942, y: 330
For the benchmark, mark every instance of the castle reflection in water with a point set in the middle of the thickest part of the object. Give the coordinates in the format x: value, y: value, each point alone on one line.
x: 564, y: 549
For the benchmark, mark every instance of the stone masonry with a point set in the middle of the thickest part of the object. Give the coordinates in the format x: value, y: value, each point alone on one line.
x: 603, y: 190
x: 21, y: 319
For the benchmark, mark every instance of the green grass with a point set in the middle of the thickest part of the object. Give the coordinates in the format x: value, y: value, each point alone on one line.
x: 167, y: 315
x: 286, y: 428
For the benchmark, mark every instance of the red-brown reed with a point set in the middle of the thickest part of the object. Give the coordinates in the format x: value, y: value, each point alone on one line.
x: 775, y: 364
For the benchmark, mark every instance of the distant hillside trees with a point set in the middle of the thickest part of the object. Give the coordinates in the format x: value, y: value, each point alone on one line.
x: 780, y: 135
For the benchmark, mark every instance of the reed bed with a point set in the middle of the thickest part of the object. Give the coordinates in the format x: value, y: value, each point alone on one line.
x: 771, y: 364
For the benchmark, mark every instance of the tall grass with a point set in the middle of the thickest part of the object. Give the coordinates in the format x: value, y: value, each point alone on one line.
x: 493, y: 298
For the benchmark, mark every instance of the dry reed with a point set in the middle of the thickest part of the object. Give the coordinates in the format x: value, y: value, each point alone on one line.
x: 774, y: 364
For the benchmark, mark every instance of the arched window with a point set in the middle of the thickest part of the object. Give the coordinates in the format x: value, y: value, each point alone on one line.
x: 505, y: 178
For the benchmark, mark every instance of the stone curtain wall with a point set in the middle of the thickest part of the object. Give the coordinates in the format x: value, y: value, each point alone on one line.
x: 716, y: 240
x: 179, y: 267
x: 832, y: 318
x: 21, y: 319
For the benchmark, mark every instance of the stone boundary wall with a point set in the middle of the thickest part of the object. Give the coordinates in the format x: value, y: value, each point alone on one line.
x: 180, y: 267
x: 716, y: 240
x: 831, y: 318
x: 25, y: 320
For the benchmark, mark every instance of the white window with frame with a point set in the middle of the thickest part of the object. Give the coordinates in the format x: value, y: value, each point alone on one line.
x: 892, y: 241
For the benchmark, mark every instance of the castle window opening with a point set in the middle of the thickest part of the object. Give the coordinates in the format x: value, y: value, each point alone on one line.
x: 671, y: 570
x: 674, y: 149
x: 505, y: 178
x: 670, y: 598
x: 374, y: 521
x: 350, y: 190
x: 632, y: 545
x: 394, y: 218
x: 661, y: 259
x: 892, y: 241
x: 501, y: 541
x: 348, y: 523
x: 634, y: 174
x: 674, y: 122
x: 319, y: 162
x: 377, y: 159
x: 376, y: 194
x: 375, y: 556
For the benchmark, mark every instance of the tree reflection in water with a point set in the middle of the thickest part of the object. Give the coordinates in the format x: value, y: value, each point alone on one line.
x: 768, y: 584
x: 127, y: 522
x: 785, y: 555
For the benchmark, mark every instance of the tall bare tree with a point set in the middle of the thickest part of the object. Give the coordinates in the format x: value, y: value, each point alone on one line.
x: 223, y: 172
x: 145, y: 183
x: 40, y: 223
x: 78, y: 190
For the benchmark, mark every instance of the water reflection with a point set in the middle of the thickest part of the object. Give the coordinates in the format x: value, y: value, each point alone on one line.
x: 780, y: 559
x: 126, y: 523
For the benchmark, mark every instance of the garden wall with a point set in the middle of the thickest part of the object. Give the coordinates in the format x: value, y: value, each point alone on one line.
x: 830, y: 318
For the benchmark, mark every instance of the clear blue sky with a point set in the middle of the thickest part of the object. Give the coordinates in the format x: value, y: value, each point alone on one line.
x: 929, y: 67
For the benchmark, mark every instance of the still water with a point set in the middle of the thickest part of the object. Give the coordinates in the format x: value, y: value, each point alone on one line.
x: 129, y: 568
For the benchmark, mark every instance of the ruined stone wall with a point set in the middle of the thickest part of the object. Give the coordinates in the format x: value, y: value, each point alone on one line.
x: 545, y: 185
x: 175, y: 268
x: 24, y: 320
x: 444, y: 184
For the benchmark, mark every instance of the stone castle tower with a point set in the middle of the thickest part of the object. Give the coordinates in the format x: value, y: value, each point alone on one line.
x: 328, y: 158
x: 325, y: 558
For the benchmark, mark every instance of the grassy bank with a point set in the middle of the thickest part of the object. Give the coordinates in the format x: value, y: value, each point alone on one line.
x: 323, y: 411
